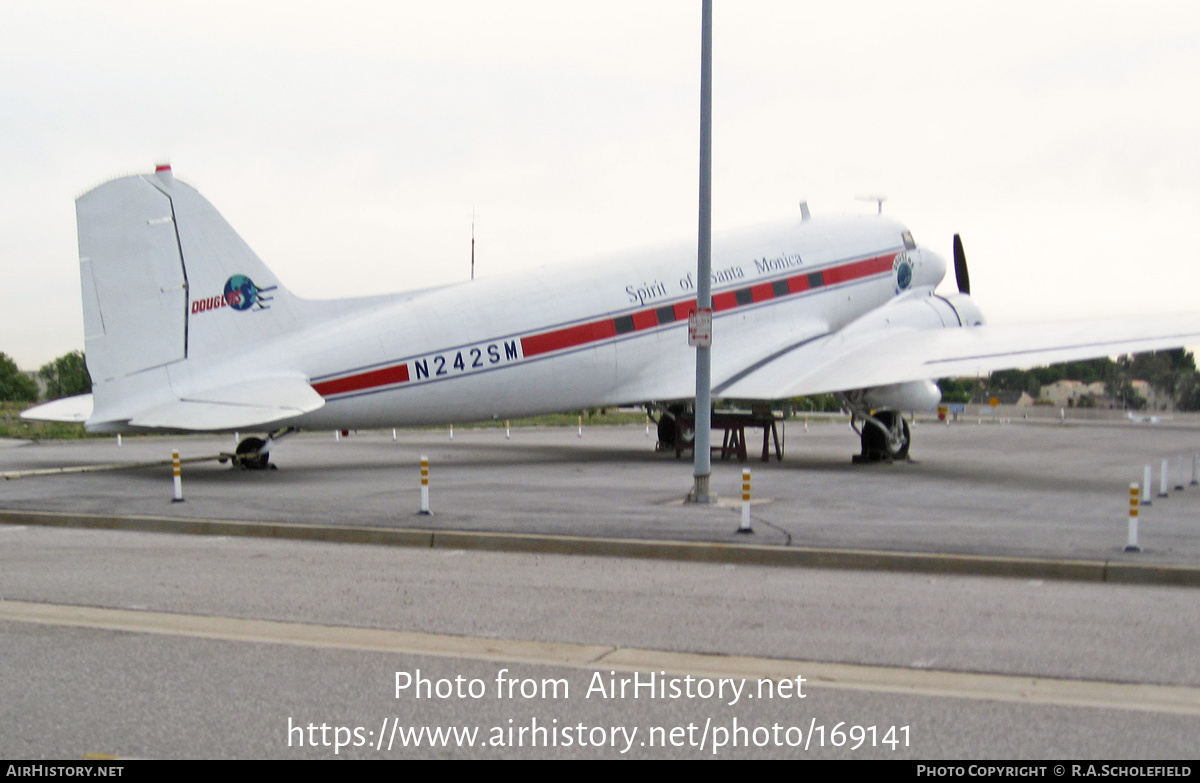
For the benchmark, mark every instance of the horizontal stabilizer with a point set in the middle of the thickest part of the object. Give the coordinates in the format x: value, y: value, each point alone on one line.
x: 244, y: 405
x: 72, y: 409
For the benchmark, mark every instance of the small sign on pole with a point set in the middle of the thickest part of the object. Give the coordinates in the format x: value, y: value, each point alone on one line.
x: 700, y: 328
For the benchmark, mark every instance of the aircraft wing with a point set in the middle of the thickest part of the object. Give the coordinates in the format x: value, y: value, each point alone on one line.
x: 879, y: 357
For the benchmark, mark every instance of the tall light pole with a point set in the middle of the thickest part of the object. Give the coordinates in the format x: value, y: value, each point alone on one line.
x: 701, y: 450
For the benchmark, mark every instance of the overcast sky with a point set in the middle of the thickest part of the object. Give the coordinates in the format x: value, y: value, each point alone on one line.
x: 350, y: 142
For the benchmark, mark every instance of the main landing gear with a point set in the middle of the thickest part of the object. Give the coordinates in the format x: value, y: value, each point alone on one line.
x: 255, y: 453
x: 885, y: 437
x: 884, y: 434
x: 672, y: 433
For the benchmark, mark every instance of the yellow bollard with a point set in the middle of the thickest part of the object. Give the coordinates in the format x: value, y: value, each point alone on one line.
x: 177, y: 472
x: 1134, y: 503
x: 744, y: 527
x: 425, y: 486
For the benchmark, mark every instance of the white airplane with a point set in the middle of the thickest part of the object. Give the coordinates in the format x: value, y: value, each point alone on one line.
x: 187, y: 330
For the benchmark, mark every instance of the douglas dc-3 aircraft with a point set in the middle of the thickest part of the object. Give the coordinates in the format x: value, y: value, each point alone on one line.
x: 187, y: 330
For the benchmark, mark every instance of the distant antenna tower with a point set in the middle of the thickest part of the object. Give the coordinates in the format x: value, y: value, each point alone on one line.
x: 877, y: 199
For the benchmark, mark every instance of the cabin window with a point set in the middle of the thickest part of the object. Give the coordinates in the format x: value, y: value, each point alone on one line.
x: 909, y: 244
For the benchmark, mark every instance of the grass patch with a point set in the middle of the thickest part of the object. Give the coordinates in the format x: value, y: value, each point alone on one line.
x: 13, y: 426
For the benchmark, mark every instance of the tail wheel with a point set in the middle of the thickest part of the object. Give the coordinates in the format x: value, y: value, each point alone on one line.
x: 250, y: 455
x: 878, y: 445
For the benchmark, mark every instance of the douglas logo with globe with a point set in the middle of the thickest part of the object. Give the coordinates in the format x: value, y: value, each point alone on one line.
x: 240, y: 293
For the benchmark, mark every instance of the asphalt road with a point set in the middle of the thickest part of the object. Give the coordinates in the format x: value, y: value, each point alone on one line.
x: 167, y: 646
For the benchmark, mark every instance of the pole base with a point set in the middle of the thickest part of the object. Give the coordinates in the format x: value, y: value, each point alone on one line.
x: 1132, y: 548
x: 700, y: 493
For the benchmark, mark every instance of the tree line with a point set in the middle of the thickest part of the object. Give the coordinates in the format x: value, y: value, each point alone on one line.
x: 66, y: 376
x: 1172, y: 374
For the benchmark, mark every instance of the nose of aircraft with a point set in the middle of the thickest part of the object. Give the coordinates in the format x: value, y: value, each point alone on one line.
x: 929, y: 268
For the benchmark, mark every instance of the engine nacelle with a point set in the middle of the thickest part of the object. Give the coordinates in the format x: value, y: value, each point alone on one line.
x: 921, y: 309
x: 922, y: 396
x: 964, y: 306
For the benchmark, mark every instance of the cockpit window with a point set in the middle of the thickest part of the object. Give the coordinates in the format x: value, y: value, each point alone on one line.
x: 909, y: 244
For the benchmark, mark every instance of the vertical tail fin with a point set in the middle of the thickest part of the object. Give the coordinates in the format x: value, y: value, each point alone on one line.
x: 165, y: 279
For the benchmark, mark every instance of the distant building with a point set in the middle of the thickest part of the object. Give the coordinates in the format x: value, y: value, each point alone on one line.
x: 1072, y: 394
x: 1155, y: 400
x: 1075, y: 394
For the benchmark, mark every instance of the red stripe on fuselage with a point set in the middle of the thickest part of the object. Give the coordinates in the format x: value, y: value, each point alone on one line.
x: 607, y: 328
x: 363, y: 380
x: 566, y: 338
x: 864, y: 268
x: 594, y: 331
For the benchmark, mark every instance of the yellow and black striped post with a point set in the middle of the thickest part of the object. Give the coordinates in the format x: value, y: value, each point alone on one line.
x: 744, y: 527
x: 425, y: 485
x: 177, y: 472
x: 1134, y: 503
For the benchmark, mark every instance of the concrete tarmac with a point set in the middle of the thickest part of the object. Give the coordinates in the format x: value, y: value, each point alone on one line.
x: 1053, y: 492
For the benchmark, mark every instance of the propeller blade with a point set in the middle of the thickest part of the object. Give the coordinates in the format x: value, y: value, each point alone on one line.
x: 960, y: 267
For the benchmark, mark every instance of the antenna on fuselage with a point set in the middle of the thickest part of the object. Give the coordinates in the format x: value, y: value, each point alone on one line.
x: 877, y: 199
x: 472, y: 243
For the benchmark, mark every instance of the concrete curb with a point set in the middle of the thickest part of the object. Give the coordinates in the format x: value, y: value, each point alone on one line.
x: 710, y: 552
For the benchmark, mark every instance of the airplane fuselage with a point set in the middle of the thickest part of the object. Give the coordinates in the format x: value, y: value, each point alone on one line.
x: 572, y: 337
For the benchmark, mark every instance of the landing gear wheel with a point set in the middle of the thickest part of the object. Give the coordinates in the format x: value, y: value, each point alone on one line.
x: 668, y: 427
x: 250, y: 455
x: 879, y: 446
